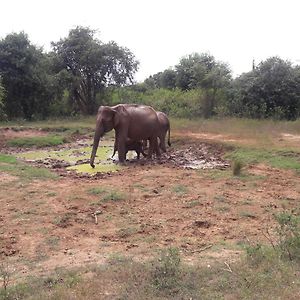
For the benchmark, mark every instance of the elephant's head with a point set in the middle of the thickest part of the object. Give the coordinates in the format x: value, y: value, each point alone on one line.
x: 107, y: 119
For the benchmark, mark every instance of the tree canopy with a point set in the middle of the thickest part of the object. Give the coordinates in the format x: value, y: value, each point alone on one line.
x: 24, y: 77
x: 92, y: 65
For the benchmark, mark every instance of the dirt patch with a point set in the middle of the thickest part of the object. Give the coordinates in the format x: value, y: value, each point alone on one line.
x: 140, y: 209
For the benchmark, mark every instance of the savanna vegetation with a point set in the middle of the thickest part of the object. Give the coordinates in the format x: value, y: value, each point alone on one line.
x: 154, y: 231
x: 81, y: 72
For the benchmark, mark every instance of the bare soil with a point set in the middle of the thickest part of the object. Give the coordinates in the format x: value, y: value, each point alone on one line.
x: 207, y: 214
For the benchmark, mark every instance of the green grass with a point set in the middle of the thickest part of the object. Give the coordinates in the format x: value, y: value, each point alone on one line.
x: 260, y: 274
x: 180, y: 189
x: 40, y: 141
x: 9, y: 159
x: 276, y: 159
x: 9, y: 164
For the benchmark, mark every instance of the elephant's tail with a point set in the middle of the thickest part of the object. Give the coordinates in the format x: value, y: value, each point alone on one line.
x: 169, y: 132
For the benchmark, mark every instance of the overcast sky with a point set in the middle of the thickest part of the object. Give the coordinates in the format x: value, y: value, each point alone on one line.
x: 160, y: 32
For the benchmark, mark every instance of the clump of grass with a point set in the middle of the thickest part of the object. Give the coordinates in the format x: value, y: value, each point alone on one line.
x: 126, y: 232
x: 180, y: 189
x: 39, y: 141
x: 63, y: 220
x: 237, y: 167
x: 288, y: 231
x: 97, y: 190
x: 114, y: 196
x: 167, y: 269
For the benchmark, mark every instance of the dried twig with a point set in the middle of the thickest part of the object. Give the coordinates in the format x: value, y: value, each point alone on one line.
x: 228, y: 269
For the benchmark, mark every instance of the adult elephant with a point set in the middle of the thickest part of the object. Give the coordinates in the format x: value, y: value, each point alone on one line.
x: 164, y: 127
x: 130, y: 121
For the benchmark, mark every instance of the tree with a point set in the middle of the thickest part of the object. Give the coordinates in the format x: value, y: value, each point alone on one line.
x: 2, y: 110
x: 92, y: 65
x: 24, y: 77
x: 272, y: 89
x: 203, y: 71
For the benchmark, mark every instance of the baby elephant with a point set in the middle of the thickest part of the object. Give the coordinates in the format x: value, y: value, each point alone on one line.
x: 137, y: 146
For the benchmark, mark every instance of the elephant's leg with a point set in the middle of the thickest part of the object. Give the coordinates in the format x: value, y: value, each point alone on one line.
x: 122, y: 150
x: 138, y: 154
x: 153, y: 147
x: 162, y: 143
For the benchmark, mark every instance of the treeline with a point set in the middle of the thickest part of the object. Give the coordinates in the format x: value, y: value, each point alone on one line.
x: 65, y: 81
x: 81, y: 72
x: 199, y: 86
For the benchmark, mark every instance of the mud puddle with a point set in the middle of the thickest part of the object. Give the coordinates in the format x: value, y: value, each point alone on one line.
x: 74, y: 158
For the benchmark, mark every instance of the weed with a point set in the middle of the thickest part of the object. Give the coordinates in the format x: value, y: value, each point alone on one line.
x: 96, y: 190
x: 246, y: 214
x: 237, y: 168
x: 289, y: 235
x: 114, y: 196
x: 192, y: 204
x: 166, y: 270
x: 180, y: 189
x: 126, y: 232
x: 63, y: 220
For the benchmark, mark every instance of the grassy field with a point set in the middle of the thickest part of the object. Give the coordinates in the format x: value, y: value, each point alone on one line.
x: 165, y: 233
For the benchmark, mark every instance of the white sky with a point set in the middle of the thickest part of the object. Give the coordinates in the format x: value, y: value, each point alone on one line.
x: 160, y: 32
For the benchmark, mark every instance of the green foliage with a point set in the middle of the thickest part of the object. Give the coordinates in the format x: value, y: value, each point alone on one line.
x: 3, y: 115
x: 237, y: 167
x: 276, y: 159
x: 289, y: 235
x: 88, y: 65
x: 40, y: 141
x: 177, y: 103
x: 9, y: 159
x: 166, y: 271
x: 25, y: 76
x: 272, y: 89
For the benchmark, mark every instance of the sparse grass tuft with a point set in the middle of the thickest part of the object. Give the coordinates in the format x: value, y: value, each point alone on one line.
x: 180, y: 189
x: 40, y: 141
x: 237, y: 167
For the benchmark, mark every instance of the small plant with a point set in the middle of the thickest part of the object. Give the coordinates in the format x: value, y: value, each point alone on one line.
x: 289, y: 235
x: 114, y: 196
x: 166, y: 271
x: 180, y: 189
x: 97, y: 190
x: 237, y: 168
x: 5, y: 277
x: 63, y: 220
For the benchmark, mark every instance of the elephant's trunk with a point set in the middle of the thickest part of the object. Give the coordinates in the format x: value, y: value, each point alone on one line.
x: 98, y: 133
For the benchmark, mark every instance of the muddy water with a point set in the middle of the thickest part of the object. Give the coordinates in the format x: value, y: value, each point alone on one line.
x: 75, y: 157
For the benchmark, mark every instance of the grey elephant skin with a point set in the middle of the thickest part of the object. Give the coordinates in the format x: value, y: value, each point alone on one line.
x: 130, y: 121
x: 164, y: 128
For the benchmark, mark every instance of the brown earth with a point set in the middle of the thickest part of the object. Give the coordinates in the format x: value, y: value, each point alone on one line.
x: 207, y: 214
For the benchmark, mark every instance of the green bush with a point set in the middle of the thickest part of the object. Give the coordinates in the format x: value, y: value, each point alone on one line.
x: 289, y: 235
x: 166, y: 271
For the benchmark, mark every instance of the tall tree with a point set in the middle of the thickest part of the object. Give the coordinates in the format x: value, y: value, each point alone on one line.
x: 2, y: 109
x: 92, y: 65
x: 272, y: 89
x: 24, y: 77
